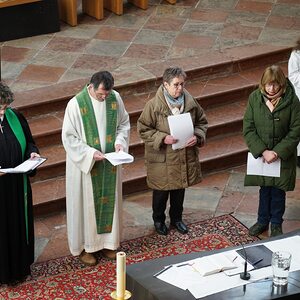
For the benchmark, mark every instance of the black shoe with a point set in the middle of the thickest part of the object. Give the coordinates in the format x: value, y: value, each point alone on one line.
x: 258, y: 229
x: 161, y: 228
x: 276, y: 229
x: 181, y: 227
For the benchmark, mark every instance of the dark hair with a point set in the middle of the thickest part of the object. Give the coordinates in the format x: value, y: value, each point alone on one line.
x: 104, y: 78
x: 297, y: 47
x: 6, y: 95
x: 173, y: 72
x: 273, y: 74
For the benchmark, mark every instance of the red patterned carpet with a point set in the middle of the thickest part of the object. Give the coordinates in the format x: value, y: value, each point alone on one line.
x: 67, y: 278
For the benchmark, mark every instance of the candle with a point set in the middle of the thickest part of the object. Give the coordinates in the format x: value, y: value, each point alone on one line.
x: 121, y: 271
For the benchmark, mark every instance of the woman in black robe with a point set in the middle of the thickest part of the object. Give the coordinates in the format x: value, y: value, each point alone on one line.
x: 16, y: 214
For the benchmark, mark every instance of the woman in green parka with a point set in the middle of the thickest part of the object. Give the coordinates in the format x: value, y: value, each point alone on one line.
x: 271, y: 129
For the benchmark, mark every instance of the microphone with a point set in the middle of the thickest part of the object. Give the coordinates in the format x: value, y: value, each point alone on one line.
x: 245, y: 275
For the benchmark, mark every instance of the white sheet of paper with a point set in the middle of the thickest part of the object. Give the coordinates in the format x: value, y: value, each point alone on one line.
x: 298, y: 150
x: 258, y: 167
x: 181, y: 128
x: 118, y: 158
x: 27, y: 165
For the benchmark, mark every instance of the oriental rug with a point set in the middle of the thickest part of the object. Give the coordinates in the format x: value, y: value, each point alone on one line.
x: 68, y: 278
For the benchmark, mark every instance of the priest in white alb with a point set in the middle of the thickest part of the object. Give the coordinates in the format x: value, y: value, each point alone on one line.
x: 95, y: 123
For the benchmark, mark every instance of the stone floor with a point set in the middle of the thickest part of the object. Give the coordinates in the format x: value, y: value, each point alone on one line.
x: 217, y: 194
x: 131, y: 46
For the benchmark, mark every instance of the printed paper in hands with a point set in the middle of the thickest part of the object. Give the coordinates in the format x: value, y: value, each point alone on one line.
x: 213, y: 264
x: 118, y: 158
x: 181, y: 128
x: 26, y: 166
x: 258, y: 167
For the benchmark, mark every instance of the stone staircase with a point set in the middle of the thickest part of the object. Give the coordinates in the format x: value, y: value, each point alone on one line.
x: 222, y: 89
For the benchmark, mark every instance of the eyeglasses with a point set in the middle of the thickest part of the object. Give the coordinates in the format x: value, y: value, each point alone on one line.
x: 177, y: 85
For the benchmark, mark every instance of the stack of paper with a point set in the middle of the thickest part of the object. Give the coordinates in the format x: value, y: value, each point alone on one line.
x: 118, y: 158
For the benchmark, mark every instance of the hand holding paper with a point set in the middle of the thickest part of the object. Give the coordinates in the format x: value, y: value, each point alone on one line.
x: 258, y: 167
x: 118, y: 158
x: 181, y: 128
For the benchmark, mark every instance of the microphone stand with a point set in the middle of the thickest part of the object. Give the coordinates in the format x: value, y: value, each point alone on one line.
x: 245, y: 275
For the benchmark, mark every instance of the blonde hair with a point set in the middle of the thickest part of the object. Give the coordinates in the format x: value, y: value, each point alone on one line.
x: 273, y: 74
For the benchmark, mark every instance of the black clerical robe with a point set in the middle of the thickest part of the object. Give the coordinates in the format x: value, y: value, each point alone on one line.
x: 16, y: 245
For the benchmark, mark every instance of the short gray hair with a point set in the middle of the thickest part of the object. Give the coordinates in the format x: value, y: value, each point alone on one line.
x: 173, y: 72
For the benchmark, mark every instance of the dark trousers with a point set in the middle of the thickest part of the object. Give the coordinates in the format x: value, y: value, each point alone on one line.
x: 271, y: 205
x: 159, y: 204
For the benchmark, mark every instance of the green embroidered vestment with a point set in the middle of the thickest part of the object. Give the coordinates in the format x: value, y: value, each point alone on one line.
x: 103, y: 173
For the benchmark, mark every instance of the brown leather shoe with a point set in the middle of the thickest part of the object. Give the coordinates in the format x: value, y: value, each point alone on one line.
x: 88, y: 258
x: 110, y: 254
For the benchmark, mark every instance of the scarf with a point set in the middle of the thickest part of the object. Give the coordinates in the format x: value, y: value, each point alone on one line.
x: 103, y: 173
x: 176, y: 105
x: 272, y: 100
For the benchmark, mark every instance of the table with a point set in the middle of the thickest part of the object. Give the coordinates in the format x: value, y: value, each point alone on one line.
x: 141, y: 283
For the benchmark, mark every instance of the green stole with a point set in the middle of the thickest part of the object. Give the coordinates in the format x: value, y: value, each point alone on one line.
x: 103, y: 173
x: 17, y: 129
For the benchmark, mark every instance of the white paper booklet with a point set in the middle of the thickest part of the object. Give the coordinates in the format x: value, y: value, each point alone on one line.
x: 258, y: 167
x: 181, y: 128
x: 118, y: 158
x: 213, y: 264
x: 26, y: 166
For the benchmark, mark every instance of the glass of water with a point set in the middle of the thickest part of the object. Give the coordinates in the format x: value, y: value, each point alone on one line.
x: 281, y: 261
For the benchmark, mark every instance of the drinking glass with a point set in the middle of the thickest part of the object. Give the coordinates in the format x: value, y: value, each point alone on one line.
x: 281, y: 261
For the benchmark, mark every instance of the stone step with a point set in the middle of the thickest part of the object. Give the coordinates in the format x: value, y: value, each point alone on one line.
x: 222, y: 89
x: 46, y: 100
x: 223, y: 120
x: 49, y: 194
x: 46, y: 127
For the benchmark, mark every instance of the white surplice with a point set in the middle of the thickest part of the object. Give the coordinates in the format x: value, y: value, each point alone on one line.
x: 81, y: 220
x: 294, y: 77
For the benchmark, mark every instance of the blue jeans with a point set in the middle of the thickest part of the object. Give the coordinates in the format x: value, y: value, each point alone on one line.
x: 271, y: 205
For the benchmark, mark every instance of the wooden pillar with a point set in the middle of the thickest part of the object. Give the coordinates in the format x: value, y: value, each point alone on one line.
x: 143, y: 4
x: 93, y: 8
x: 68, y: 11
x: 116, y: 6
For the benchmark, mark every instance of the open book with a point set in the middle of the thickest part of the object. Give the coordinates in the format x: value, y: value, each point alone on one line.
x: 212, y: 264
x: 26, y: 166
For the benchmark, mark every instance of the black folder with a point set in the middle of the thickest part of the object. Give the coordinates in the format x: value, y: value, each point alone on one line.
x: 258, y: 256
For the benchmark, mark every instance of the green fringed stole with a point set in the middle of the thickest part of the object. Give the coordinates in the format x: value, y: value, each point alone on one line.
x: 103, y: 173
x: 17, y: 129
